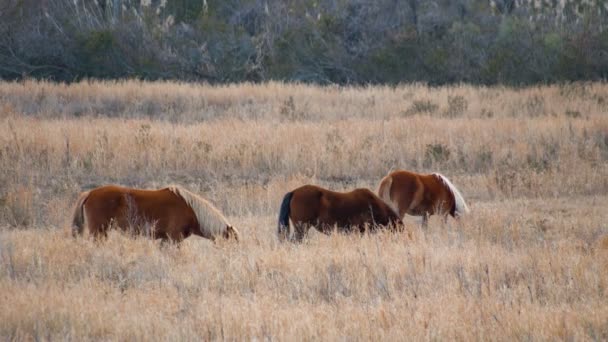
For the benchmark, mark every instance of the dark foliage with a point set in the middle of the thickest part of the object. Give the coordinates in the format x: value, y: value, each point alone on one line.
x: 320, y: 41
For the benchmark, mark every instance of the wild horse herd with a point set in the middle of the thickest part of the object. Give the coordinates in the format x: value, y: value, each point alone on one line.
x: 174, y: 213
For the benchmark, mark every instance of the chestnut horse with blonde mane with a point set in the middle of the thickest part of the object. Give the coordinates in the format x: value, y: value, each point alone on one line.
x: 421, y: 195
x: 172, y: 213
x: 310, y: 205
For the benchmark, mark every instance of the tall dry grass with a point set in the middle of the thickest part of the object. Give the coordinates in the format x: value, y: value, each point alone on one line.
x: 528, y: 263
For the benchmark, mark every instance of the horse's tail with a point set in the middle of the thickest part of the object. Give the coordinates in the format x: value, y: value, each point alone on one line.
x: 460, y: 206
x: 283, y: 230
x: 78, y: 217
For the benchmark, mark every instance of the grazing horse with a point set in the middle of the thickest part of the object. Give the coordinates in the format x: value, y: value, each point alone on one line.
x: 421, y: 195
x: 311, y: 205
x: 172, y: 213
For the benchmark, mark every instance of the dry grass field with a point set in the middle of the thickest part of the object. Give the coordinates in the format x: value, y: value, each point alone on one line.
x: 529, y: 263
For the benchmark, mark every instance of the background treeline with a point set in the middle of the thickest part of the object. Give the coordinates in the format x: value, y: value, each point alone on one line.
x: 511, y: 42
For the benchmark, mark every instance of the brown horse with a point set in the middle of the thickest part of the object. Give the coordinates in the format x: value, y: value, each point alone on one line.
x: 172, y: 213
x: 421, y: 195
x: 311, y: 205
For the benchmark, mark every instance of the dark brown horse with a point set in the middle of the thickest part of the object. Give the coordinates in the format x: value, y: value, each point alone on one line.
x: 311, y: 205
x: 172, y: 213
x: 421, y: 195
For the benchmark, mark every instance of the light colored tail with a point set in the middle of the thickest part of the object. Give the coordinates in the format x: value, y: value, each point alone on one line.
x: 384, y: 192
x: 78, y: 217
x: 459, y: 203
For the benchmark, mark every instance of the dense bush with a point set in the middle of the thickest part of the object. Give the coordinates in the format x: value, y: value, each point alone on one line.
x: 327, y: 41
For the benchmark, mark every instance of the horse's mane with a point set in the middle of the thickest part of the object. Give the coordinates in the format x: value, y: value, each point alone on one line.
x: 209, y: 217
x: 459, y: 203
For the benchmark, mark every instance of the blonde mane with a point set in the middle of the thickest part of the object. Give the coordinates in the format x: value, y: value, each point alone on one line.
x: 210, y: 219
x: 461, y: 206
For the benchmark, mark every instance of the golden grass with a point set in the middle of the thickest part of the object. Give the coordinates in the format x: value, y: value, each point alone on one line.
x: 528, y: 263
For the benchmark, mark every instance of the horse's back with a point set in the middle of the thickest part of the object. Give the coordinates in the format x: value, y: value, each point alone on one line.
x: 105, y: 199
x: 404, y: 179
x: 325, y: 209
x: 129, y: 206
x: 306, y: 202
x: 309, y: 194
x: 364, y: 196
x: 383, y: 213
x: 157, y: 201
x: 359, y: 206
x: 311, y: 202
x: 112, y: 196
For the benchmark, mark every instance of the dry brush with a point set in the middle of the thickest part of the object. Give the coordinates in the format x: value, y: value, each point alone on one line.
x: 528, y: 263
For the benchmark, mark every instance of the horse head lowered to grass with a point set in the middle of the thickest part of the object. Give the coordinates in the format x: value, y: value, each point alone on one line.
x: 310, y: 205
x: 172, y: 213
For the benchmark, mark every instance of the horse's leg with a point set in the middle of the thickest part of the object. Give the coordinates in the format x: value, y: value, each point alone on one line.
x: 100, y: 234
x: 98, y: 230
x: 300, y: 231
x: 425, y: 220
x: 458, y: 220
x: 439, y: 209
x: 167, y: 240
x: 164, y: 243
x: 175, y: 236
x: 444, y: 220
x: 361, y: 228
x: 103, y: 227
